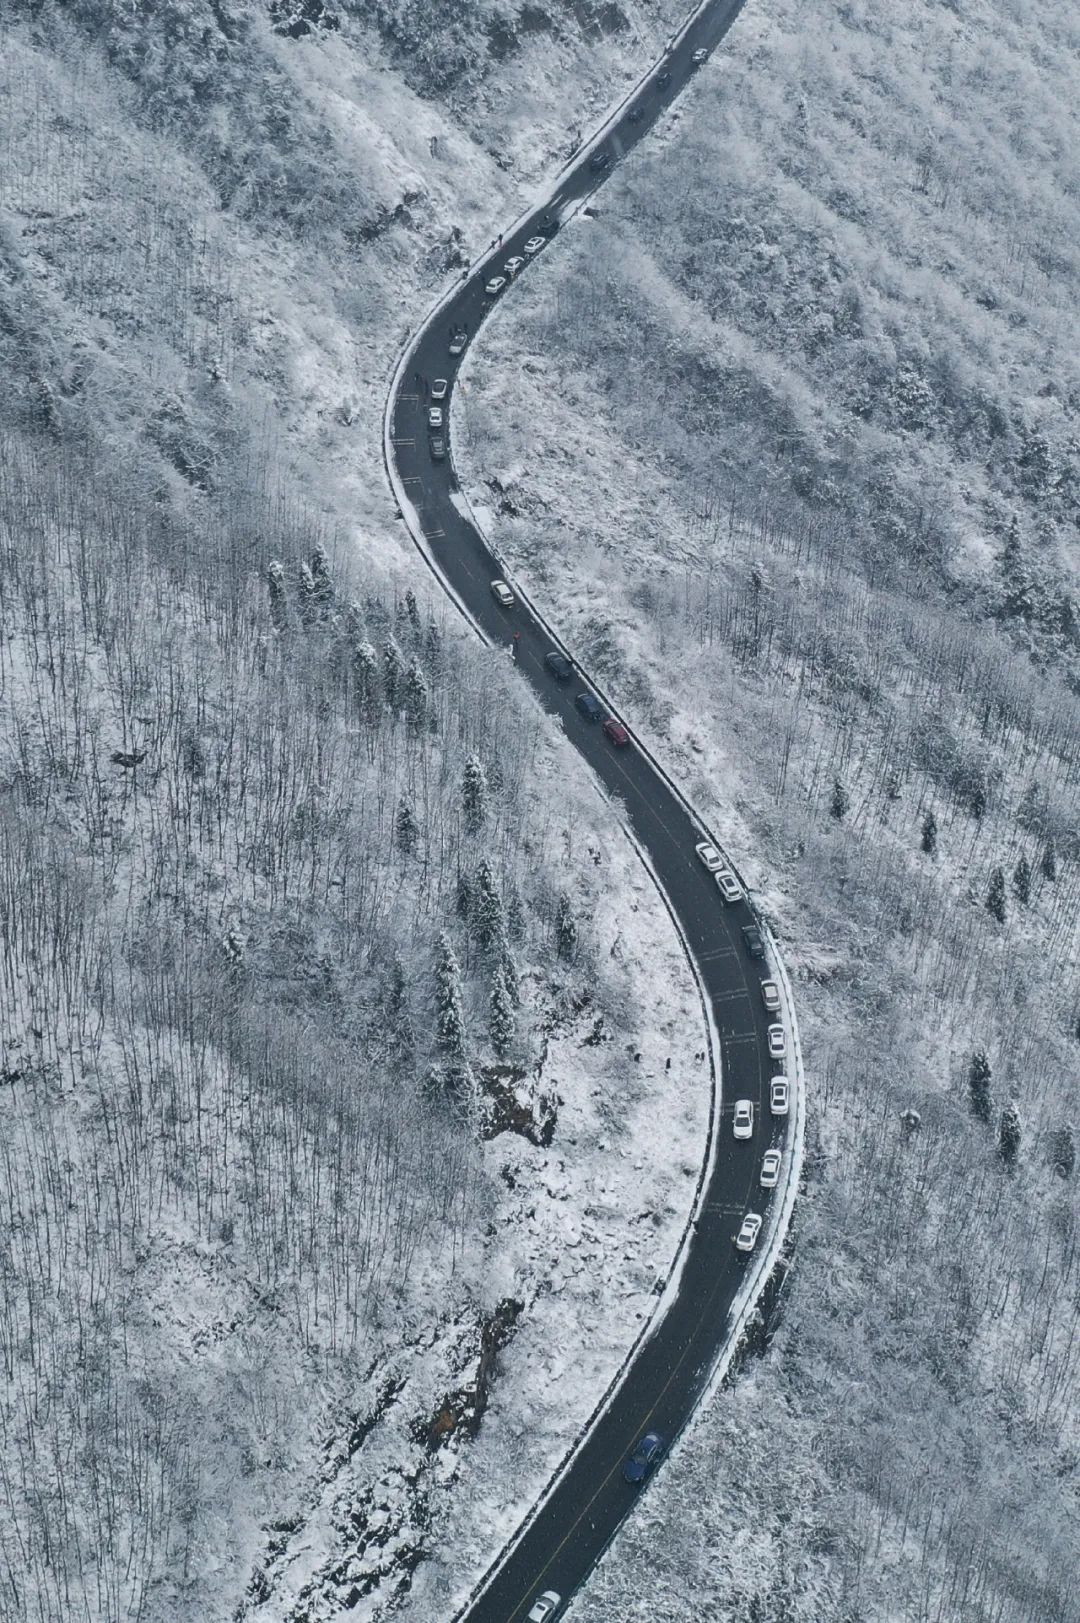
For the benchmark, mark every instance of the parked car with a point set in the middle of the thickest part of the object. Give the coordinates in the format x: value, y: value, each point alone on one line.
x: 438, y: 448
x: 746, y: 1239
x: 599, y: 160
x: 434, y: 417
x: 438, y: 388
x: 728, y: 885
x: 700, y: 55
x: 770, y: 1168
x: 458, y: 340
x: 512, y: 266
x: 778, y: 1096
x: 534, y: 245
x: 494, y: 286
x: 590, y: 706
x: 753, y: 941
x: 709, y: 855
x: 770, y: 996
x: 777, y: 1041
x: 559, y: 666
x: 662, y: 80
x: 549, y: 224
x: 544, y: 1607
x: 634, y: 115
x: 645, y: 1458
x: 743, y: 1123
x: 616, y: 732
x: 502, y: 594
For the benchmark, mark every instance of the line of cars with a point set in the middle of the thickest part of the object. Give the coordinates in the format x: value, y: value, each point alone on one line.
x: 494, y: 284
x: 775, y: 1038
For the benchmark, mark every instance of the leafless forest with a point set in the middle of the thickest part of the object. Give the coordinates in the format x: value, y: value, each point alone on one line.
x: 273, y: 887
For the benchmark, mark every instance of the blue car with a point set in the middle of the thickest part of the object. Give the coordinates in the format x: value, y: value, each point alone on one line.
x: 645, y: 1458
x: 590, y: 706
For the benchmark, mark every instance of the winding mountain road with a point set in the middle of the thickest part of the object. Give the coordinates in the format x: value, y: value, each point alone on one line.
x: 674, y: 1363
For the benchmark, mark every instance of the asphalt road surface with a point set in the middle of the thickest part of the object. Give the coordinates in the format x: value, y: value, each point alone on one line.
x: 666, y: 1378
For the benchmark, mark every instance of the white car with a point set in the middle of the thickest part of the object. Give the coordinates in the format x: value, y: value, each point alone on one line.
x: 534, y: 245
x: 512, y: 266
x: 502, y: 594
x: 544, y: 1606
x: 700, y: 55
x: 709, y: 855
x: 770, y: 1168
x: 777, y: 1041
x: 438, y: 388
x: 770, y: 996
x: 434, y: 417
x: 746, y: 1239
x: 728, y: 885
x: 778, y: 1096
x: 494, y: 285
x: 743, y: 1123
x: 458, y: 340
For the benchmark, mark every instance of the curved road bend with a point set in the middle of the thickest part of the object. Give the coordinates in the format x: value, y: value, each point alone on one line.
x: 667, y: 1377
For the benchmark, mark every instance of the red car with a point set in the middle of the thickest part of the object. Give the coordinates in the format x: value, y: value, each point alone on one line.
x: 616, y: 732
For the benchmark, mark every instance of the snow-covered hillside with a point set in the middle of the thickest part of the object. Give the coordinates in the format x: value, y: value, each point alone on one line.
x: 790, y: 430
x: 335, y: 1012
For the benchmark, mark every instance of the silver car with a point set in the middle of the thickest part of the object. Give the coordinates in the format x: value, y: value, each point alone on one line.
x: 770, y: 1168
x: 746, y: 1239
x: 544, y: 1606
x: 778, y: 1096
x: 728, y: 885
x: 494, y: 285
x: 743, y: 1122
x: 777, y: 1041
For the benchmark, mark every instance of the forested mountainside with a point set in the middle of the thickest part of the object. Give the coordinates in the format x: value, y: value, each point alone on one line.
x: 817, y: 349
x: 313, y: 938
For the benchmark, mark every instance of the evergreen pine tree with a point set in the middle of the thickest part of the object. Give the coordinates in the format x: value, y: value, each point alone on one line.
x: 488, y: 923
x: 515, y: 914
x: 474, y: 794
x: 892, y: 784
x: 839, y: 804
x: 1048, y: 864
x: 464, y: 895
x: 1021, y: 881
x: 393, y: 673
x: 510, y: 975
x: 416, y: 697
x: 366, y: 679
x: 501, y: 1016
x: 279, y: 597
x: 929, y: 834
x: 1009, y: 1135
x: 979, y: 1085
x: 449, y: 1012
x: 306, y: 598
x: 406, y: 829
x: 565, y: 928
x: 415, y: 627
x: 433, y: 648
x: 322, y: 582
x: 1063, y: 1150
x: 995, y: 896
